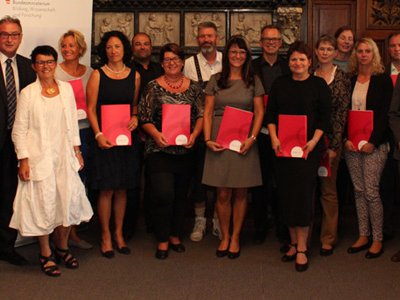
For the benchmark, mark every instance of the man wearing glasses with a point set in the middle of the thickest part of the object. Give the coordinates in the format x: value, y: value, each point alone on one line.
x: 16, y: 73
x: 268, y: 67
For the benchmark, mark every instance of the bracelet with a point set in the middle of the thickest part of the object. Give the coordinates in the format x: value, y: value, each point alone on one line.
x: 78, y: 151
x: 97, y: 135
x: 253, y: 137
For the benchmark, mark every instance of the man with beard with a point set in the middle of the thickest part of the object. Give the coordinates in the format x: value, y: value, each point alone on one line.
x: 199, y: 68
x: 148, y: 70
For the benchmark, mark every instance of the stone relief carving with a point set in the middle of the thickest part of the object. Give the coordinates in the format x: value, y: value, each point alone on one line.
x: 249, y: 25
x: 104, y: 22
x: 289, y: 19
x: 193, y: 19
x: 384, y: 13
x: 162, y: 28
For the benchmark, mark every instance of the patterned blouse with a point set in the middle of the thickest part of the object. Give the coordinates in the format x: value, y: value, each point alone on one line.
x: 150, y: 111
x: 341, y: 90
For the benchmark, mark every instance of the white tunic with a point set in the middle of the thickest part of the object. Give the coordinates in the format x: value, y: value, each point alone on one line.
x: 42, y: 204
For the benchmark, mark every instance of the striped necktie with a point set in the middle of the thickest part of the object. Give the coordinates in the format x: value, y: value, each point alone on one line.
x: 11, y: 94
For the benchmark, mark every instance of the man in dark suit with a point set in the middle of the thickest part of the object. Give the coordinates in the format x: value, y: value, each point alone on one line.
x: 21, y: 75
x: 268, y: 67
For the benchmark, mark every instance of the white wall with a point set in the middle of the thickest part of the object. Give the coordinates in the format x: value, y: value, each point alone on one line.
x: 44, y: 21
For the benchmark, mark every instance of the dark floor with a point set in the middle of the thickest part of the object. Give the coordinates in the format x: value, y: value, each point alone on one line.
x: 198, y: 274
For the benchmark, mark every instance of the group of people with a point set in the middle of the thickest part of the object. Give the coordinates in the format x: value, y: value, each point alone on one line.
x: 50, y: 160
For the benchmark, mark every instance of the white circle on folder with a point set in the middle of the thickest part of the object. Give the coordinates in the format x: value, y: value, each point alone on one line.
x: 296, y: 152
x: 361, y: 143
x: 235, y: 145
x: 81, y: 114
x: 322, y: 171
x: 181, y: 139
x: 122, y: 140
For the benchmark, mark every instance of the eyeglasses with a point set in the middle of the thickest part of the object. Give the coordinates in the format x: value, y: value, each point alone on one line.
x: 236, y: 52
x: 271, y: 40
x: 50, y: 62
x: 6, y: 35
x: 174, y: 60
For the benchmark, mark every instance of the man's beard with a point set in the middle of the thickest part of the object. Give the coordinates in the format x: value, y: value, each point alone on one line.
x: 207, y: 48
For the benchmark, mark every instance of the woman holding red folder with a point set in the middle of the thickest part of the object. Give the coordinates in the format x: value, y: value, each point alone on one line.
x: 169, y: 167
x: 113, y: 169
x: 371, y: 90
x: 230, y: 172
x: 299, y: 94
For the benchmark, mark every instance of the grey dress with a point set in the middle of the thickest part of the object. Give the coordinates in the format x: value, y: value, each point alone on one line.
x: 228, y: 168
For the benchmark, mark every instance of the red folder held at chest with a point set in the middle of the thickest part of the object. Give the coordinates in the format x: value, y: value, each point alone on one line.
x: 114, y: 123
x: 77, y: 87
x: 360, y: 126
x: 292, y: 134
x: 176, y: 123
x: 394, y: 79
x: 234, y: 128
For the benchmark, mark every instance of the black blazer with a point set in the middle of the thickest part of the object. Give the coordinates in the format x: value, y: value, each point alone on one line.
x: 379, y: 96
x: 26, y: 76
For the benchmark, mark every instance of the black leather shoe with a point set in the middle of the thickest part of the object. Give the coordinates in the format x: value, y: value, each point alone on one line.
x: 302, y: 267
x: 325, y: 252
x: 161, y: 254
x: 108, y: 254
x: 13, y: 258
x: 124, y: 250
x: 371, y: 255
x: 233, y: 255
x: 259, y: 237
x: 177, y: 247
x: 221, y: 253
x: 353, y: 250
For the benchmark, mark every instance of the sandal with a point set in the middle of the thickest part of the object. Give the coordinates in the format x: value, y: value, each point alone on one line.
x: 69, y: 260
x: 49, y: 270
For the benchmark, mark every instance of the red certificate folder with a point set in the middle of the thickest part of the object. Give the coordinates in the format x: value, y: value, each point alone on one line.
x: 114, y: 123
x: 234, y: 128
x: 176, y: 123
x: 79, y: 93
x: 394, y: 79
x: 360, y: 126
x: 324, y: 169
x: 292, y: 133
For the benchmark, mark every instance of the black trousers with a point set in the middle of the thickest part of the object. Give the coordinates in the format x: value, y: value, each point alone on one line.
x: 169, y: 177
x: 8, y: 187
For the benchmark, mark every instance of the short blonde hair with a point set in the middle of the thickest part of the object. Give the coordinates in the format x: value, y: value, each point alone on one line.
x: 377, y: 66
x: 79, y: 39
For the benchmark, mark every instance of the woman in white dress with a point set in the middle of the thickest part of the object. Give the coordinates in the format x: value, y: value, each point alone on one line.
x: 50, y: 195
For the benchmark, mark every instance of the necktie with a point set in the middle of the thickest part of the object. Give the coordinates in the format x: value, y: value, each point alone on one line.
x: 11, y: 94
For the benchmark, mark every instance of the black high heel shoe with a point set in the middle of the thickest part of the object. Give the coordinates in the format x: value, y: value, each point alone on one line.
x: 161, y: 254
x: 224, y: 252
x: 66, y: 257
x: 302, y: 267
x: 177, y: 247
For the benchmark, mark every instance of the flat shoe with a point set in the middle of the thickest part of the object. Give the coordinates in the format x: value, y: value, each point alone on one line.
x: 108, y: 254
x: 371, y: 255
x: 161, y: 254
x: 288, y: 258
x: 177, y: 247
x: 353, y: 250
x: 233, y: 255
x: 124, y: 250
x: 325, y: 252
x: 221, y: 253
x: 302, y: 267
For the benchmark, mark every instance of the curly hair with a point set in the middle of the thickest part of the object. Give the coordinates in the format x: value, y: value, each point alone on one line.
x: 247, y: 69
x: 377, y: 66
x: 125, y: 43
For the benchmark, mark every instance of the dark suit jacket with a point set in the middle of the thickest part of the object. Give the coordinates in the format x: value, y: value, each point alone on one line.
x: 26, y: 76
x: 394, y: 118
x: 379, y: 96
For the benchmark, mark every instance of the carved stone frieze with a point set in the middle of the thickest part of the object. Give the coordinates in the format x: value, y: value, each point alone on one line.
x: 289, y: 19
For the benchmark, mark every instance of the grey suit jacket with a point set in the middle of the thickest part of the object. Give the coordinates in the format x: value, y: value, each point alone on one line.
x: 394, y: 118
x: 26, y: 75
